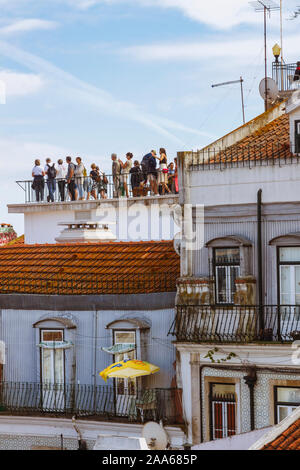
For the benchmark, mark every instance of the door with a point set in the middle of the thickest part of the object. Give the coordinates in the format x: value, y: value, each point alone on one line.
x: 52, y: 370
x: 125, y: 389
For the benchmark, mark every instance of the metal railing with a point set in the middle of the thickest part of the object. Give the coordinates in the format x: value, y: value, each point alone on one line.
x: 242, y: 324
x: 247, y: 156
x: 283, y: 75
x: 62, y: 193
x: 88, y: 284
x: 102, y: 402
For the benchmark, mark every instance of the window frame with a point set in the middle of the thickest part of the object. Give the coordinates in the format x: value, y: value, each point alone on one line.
x: 216, y: 265
x: 285, y: 263
x: 41, y: 351
x: 297, y: 136
x: 114, y: 332
x: 210, y: 406
x: 281, y: 403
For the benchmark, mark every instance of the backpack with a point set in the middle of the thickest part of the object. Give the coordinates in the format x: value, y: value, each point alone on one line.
x: 145, y: 163
x: 51, y: 171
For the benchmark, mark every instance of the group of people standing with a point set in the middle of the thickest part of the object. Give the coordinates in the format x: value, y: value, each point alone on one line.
x: 144, y: 175
x: 74, y: 182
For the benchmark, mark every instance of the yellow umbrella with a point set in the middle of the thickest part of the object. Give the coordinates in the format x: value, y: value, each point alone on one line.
x: 128, y: 369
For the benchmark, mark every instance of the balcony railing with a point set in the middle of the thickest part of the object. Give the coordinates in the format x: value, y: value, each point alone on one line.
x: 283, y: 75
x: 61, y: 193
x: 100, y: 402
x: 242, y: 324
x: 244, y: 156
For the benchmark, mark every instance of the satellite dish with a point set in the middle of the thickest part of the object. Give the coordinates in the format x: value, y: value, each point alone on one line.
x: 155, y: 436
x: 272, y: 89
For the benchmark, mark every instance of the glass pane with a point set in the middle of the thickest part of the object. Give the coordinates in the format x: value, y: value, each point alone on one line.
x: 47, y: 364
x: 52, y: 335
x: 59, y: 366
x: 222, y: 389
x: 227, y: 255
x: 289, y: 254
x: 283, y: 412
x: 288, y: 395
x: 124, y: 337
x: 286, y: 296
x: 297, y: 285
x: 221, y: 284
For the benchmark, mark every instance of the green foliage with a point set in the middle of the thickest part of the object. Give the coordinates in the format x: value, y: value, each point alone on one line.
x: 211, y: 353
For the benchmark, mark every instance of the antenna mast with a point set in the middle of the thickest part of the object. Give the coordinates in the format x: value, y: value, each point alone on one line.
x: 242, y: 92
x: 266, y: 6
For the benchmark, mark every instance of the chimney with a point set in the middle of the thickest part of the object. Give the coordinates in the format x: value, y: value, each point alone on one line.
x: 85, y: 232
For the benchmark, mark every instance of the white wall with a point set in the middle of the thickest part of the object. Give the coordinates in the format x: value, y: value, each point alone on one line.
x: 240, y: 185
x: 239, y: 442
x: 134, y: 221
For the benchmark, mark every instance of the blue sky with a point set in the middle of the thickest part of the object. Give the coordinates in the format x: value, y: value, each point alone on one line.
x: 92, y: 77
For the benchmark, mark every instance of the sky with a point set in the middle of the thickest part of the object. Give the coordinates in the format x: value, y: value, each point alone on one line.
x: 93, y: 77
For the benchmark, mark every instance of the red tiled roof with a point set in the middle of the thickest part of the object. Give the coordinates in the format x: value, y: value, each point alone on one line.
x: 288, y: 439
x: 269, y: 142
x: 102, y: 268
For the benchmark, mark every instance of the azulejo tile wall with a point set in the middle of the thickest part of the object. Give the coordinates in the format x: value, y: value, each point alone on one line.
x: 261, y: 395
x: 16, y: 442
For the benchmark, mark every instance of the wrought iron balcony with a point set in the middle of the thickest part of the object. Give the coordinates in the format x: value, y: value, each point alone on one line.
x: 283, y: 75
x: 241, y: 324
x: 99, y: 402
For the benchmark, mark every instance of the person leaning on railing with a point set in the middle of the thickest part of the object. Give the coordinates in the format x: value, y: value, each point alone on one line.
x: 38, y: 183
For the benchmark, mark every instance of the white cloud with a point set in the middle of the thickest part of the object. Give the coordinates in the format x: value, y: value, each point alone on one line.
x: 81, y: 91
x: 20, y: 84
x: 241, y: 50
x: 30, y: 24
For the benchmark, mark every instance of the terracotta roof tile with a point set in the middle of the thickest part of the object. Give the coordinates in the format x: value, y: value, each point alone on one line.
x: 288, y: 440
x: 270, y: 142
x: 103, y: 268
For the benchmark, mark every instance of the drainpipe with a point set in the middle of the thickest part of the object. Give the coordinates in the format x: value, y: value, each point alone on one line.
x: 95, y: 357
x: 251, y: 380
x: 259, y: 263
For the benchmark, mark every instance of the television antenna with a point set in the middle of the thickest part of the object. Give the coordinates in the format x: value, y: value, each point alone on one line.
x: 266, y: 6
x: 242, y: 92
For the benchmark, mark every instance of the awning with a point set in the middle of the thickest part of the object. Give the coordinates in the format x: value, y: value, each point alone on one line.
x: 120, y: 348
x: 56, y: 344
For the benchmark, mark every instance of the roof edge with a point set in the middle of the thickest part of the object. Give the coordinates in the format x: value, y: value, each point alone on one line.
x: 276, y: 431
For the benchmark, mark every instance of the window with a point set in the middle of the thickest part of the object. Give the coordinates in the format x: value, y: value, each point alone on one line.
x: 222, y: 404
x: 287, y: 399
x: 289, y: 275
x: 297, y: 136
x: 227, y: 269
x: 52, y: 359
x: 125, y: 386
